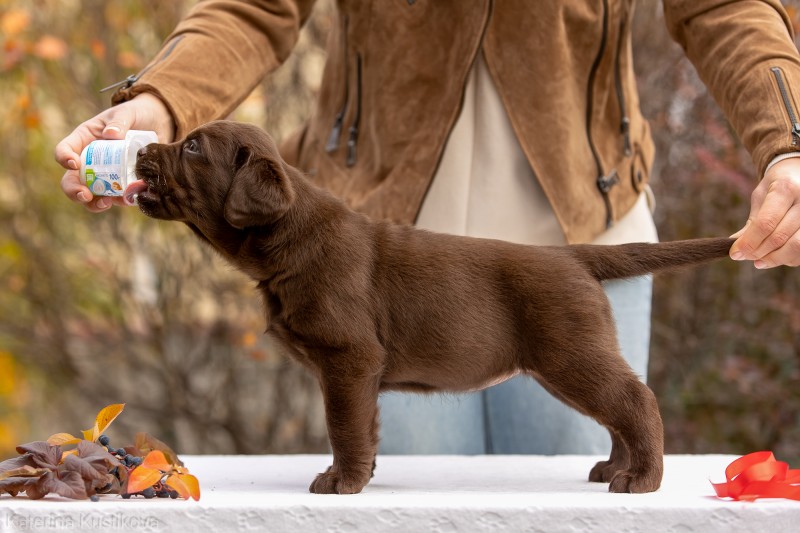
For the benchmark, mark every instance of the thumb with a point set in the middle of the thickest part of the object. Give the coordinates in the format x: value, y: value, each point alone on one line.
x: 115, y: 129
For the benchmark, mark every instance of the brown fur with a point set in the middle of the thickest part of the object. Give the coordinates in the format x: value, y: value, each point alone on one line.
x: 369, y: 306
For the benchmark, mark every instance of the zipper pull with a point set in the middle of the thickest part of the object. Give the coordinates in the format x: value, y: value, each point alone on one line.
x: 336, y: 132
x: 133, y: 78
x: 351, y: 146
x: 795, y: 133
x: 625, y: 129
x: 127, y: 82
x: 605, y: 183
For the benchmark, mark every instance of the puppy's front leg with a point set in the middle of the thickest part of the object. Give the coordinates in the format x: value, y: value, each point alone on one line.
x: 351, y: 409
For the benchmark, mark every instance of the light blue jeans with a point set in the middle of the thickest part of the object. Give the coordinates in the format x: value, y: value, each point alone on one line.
x: 518, y: 416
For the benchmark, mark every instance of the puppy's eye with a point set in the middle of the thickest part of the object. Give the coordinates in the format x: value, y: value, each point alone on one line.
x: 192, y: 146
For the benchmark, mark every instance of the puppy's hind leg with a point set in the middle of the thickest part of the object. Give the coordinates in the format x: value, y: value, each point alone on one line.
x: 601, y: 385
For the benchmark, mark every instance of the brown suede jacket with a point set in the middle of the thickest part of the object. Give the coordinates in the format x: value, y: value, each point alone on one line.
x: 396, y: 71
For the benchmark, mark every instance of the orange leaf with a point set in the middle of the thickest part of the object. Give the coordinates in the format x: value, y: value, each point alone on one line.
x: 156, y: 459
x: 186, y: 485
x: 70, y: 452
x: 62, y: 439
x: 142, y: 477
x: 104, y: 418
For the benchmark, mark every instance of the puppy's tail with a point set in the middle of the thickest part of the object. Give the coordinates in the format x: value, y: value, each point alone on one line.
x: 626, y: 260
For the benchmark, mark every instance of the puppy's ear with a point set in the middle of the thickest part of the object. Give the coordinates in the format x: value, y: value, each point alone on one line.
x: 260, y: 192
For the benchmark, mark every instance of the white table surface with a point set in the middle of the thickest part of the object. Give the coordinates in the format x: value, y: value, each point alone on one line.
x: 418, y: 493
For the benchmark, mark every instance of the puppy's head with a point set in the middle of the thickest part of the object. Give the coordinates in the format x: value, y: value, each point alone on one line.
x: 223, y: 175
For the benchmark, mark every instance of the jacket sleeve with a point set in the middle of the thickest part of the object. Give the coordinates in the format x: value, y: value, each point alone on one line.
x: 741, y: 49
x: 217, y: 55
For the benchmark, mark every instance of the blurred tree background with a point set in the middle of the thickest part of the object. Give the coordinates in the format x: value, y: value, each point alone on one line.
x: 99, y: 309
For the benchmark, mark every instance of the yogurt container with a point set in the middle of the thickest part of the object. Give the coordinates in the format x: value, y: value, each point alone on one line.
x: 107, y: 166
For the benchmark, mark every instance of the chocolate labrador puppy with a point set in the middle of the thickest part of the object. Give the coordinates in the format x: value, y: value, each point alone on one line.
x: 369, y: 306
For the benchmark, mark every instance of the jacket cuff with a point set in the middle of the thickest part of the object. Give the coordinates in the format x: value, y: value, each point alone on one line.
x: 125, y: 94
x: 779, y: 158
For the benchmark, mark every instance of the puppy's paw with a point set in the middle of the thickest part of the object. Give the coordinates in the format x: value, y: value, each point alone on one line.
x: 330, y: 482
x: 604, y: 471
x: 635, y: 483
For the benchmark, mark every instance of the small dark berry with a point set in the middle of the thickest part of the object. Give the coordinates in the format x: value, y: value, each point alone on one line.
x: 121, y: 452
x: 149, y: 493
x: 94, y: 498
x: 104, y: 440
x: 162, y: 494
x: 126, y: 496
x: 173, y: 494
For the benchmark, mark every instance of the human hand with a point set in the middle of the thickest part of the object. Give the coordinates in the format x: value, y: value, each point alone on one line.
x: 771, y: 236
x: 144, y: 112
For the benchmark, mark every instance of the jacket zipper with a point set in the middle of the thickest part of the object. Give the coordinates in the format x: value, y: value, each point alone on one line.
x: 336, y: 130
x: 625, y: 121
x: 133, y: 78
x: 604, y: 183
x: 787, y: 103
x: 352, y: 136
x: 489, y: 9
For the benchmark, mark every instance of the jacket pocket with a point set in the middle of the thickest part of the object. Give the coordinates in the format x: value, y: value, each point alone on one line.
x: 788, y: 104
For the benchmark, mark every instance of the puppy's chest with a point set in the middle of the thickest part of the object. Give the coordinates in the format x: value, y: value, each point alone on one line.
x: 279, y: 329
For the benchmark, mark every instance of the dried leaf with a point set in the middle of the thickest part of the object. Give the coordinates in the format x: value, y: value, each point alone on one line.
x: 146, y: 443
x: 35, y: 489
x: 62, y: 439
x: 142, y: 477
x: 17, y: 462
x: 96, y: 455
x: 186, y: 485
x: 15, y: 485
x: 84, y: 468
x: 68, y: 484
x: 23, y: 471
x: 43, y: 455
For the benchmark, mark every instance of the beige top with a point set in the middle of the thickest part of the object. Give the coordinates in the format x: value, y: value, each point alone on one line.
x: 484, y: 186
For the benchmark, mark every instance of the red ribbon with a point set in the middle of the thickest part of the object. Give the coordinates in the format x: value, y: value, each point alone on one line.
x: 759, y: 475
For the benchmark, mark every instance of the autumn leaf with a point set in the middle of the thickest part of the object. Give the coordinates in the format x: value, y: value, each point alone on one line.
x: 23, y: 471
x: 17, y: 462
x: 146, y: 443
x: 184, y: 484
x: 68, y: 484
x: 142, y: 477
x: 96, y: 455
x: 156, y: 459
x: 103, y: 420
x: 42, y: 454
x: 85, y: 469
x: 62, y: 439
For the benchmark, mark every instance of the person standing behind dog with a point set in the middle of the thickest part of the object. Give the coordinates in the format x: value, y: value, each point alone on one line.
x: 499, y: 119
